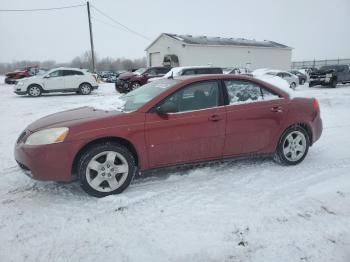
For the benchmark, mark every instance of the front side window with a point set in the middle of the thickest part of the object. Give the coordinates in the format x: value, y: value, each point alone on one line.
x: 142, y: 95
x: 241, y: 92
x: 196, y: 96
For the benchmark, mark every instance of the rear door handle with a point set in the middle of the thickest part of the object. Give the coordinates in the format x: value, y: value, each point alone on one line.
x: 277, y: 109
x: 215, y: 118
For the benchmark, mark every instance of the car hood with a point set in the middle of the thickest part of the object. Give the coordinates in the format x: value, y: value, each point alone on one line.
x: 126, y: 76
x: 70, y: 118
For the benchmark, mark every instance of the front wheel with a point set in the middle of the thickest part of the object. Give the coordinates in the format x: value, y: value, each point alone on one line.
x: 105, y: 169
x: 302, y: 81
x: 293, y: 146
x: 293, y: 85
x: 334, y: 83
x: 135, y: 85
x: 34, y: 90
x: 85, y: 89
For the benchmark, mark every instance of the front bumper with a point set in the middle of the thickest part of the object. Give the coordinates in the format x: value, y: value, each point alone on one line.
x: 52, y: 162
x: 122, y: 86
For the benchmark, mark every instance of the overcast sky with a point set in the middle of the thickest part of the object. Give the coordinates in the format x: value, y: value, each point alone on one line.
x: 315, y: 29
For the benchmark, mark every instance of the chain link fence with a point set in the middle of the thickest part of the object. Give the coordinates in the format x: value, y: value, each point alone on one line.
x: 319, y: 63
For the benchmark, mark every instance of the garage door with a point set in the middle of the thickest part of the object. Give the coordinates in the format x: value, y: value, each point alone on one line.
x: 155, y: 59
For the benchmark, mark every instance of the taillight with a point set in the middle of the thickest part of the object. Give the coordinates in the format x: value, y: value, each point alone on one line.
x: 94, y: 77
x: 316, y: 105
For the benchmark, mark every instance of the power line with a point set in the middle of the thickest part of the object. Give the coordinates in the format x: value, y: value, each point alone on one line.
x: 40, y: 9
x: 120, y: 24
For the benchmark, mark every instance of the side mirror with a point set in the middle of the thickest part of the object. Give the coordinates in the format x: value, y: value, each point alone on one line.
x: 166, y: 108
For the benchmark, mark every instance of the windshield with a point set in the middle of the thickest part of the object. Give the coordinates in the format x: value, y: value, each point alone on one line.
x: 140, y: 71
x: 142, y: 95
x: 325, y: 68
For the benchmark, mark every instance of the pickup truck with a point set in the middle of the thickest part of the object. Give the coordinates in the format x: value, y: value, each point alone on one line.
x: 330, y: 75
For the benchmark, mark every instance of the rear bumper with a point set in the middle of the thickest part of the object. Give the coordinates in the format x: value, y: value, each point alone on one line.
x: 317, y: 128
x: 94, y: 87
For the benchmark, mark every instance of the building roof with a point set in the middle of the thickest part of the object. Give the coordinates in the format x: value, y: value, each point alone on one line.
x: 221, y: 41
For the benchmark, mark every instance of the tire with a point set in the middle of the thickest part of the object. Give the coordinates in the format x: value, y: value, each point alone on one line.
x: 293, y: 85
x: 34, y: 91
x: 302, y: 81
x: 135, y: 85
x: 295, y: 139
x: 85, y: 89
x: 311, y: 85
x: 334, y: 83
x: 98, y: 169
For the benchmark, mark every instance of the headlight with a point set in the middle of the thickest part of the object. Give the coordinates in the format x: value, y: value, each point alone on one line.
x: 20, y: 83
x: 47, y: 136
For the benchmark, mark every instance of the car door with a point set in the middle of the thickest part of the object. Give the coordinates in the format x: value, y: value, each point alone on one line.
x: 54, y: 80
x: 196, y: 132
x: 72, y: 79
x: 254, y: 118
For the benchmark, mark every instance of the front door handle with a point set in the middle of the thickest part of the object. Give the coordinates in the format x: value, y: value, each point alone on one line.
x: 215, y: 118
x: 277, y: 109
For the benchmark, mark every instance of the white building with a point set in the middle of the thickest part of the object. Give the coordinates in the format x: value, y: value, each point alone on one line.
x: 188, y: 50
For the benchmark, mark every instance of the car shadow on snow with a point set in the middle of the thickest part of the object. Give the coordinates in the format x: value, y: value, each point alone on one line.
x: 72, y: 190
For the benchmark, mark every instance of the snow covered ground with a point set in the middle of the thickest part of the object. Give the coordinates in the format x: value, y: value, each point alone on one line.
x: 251, y: 210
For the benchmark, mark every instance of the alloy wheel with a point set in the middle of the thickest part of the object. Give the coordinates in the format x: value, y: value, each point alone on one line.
x: 107, y: 171
x: 294, y: 146
x: 34, y: 91
x: 85, y: 89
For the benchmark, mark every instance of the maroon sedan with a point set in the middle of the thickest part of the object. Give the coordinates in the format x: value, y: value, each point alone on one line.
x: 166, y: 123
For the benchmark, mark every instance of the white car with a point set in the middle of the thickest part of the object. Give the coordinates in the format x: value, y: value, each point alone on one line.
x: 57, y: 80
x: 189, y: 70
x: 292, y: 80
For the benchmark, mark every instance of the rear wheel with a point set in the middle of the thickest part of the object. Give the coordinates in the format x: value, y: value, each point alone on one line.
x: 105, y: 169
x: 293, y: 146
x: 85, y: 89
x: 293, y: 85
x: 302, y: 81
x: 34, y: 90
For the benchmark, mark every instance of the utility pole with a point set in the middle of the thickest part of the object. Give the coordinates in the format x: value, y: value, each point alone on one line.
x: 91, y: 40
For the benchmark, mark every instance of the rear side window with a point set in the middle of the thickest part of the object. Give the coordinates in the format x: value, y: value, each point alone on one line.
x: 71, y: 73
x: 241, y: 92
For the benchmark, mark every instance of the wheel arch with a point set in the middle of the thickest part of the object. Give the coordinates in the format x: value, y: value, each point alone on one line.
x: 85, y: 83
x: 122, y: 141
x: 35, y: 84
x: 303, y: 125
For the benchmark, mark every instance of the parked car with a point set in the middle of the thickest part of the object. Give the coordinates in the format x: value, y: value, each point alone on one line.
x: 330, y: 75
x: 167, y: 123
x: 189, y: 70
x: 57, y: 80
x: 237, y: 71
x: 13, y: 77
x: 302, y: 77
x: 292, y: 80
x: 131, y: 80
